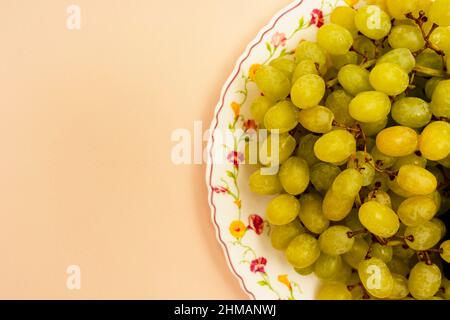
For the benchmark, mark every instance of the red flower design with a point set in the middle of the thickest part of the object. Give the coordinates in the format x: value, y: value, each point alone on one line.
x: 258, y: 265
x: 250, y: 124
x: 219, y: 189
x: 256, y: 223
x: 279, y: 39
x: 235, y: 158
x: 317, y: 18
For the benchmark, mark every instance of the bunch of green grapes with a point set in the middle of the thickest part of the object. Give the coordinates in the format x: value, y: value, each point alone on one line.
x: 363, y: 179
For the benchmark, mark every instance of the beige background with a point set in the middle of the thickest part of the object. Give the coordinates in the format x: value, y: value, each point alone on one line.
x: 85, y: 124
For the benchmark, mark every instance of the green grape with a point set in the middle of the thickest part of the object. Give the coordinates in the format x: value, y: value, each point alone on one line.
x: 397, y: 141
x: 424, y: 280
x: 334, y: 38
x: 326, y: 267
x: 445, y: 162
x: 416, y: 180
x: 441, y: 226
x: 396, y: 200
x: 303, y: 251
x: 376, y: 277
x: 282, y: 209
x: 259, y: 108
x: 335, y: 146
x: 435, y: 141
x: 317, y: 119
x: 364, y: 163
x: 370, y: 106
x: 345, y: 17
x: 282, y: 116
x: 365, y: 46
x: 445, y: 251
x: 380, y: 196
x: 354, y: 79
x: 285, y: 64
x: 305, y: 149
x: 343, y: 274
x: 431, y: 86
x: 400, y: 289
x: 336, y: 207
x: 338, y: 102
x: 411, y: 112
x: 308, y: 91
x: 403, y: 253
x: 394, y: 187
x: 429, y: 59
x: 264, y: 184
x: 371, y: 129
x: 348, y: 183
x: 423, y: 236
x: 336, y: 241
x: 286, y: 145
x: 440, y: 38
x: 445, y: 288
x: 331, y: 73
x: 294, y: 175
x: 411, y: 159
x: 439, y: 12
x: 308, y: 50
x: 281, y: 236
x: 357, y: 253
x: 406, y: 36
x: 272, y: 82
x: 304, y: 67
x: 305, y: 271
x: 333, y: 291
x: 350, y: 57
x: 380, y: 183
x: 381, y: 160
x: 384, y: 253
x: 379, y: 219
x: 380, y: 3
x: 389, y: 78
x: 440, y: 103
x: 417, y: 210
x: 373, y: 22
x: 323, y: 174
x: 398, y: 266
x: 352, y: 221
x: 401, y: 57
x: 339, y: 199
x: 311, y: 214
x: 398, y: 9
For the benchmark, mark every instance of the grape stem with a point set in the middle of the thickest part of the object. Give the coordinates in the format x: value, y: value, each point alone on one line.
x: 331, y: 83
x: 424, y: 256
x: 431, y: 72
x: 365, y: 58
x: 369, y: 63
x: 420, y: 21
x: 352, y: 234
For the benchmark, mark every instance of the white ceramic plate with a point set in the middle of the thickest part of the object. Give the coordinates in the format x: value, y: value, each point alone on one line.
x: 238, y: 215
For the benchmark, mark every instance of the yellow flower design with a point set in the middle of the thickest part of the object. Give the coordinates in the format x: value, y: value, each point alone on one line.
x: 237, y: 229
x: 236, y: 107
x: 351, y: 3
x: 283, y: 278
x: 252, y: 71
x: 237, y: 203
